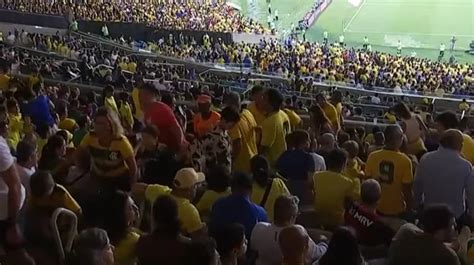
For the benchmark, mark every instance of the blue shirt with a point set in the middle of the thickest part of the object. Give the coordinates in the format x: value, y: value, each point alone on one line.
x: 236, y: 208
x: 38, y: 111
x: 295, y: 164
x: 443, y: 176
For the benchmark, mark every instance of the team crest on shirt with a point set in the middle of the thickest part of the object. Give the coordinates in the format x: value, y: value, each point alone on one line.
x: 113, y: 156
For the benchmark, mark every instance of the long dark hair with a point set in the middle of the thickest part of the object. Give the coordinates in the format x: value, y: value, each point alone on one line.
x: 114, y: 220
x: 49, y: 157
x: 343, y: 249
x: 260, y: 170
x: 318, y: 117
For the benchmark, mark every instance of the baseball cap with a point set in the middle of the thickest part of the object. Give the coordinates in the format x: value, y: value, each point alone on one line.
x: 187, y: 177
x: 203, y: 99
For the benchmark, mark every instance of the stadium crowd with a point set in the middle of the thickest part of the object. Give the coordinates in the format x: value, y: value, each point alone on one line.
x: 222, y: 181
x: 189, y: 15
x: 154, y: 182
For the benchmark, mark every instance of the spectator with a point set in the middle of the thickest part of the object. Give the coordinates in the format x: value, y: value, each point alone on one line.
x: 327, y: 143
x: 379, y: 142
x: 113, y: 162
x: 206, y: 120
x: 412, y: 126
x: 264, y: 240
x: 275, y: 127
x: 319, y: 163
x: 330, y: 111
x: 363, y: 217
x: 452, y: 185
x: 393, y: 170
x: 343, y: 249
x: 109, y: 100
x: 438, y: 223
x: 12, y: 195
x: 165, y: 244
x: 202, y: 252
x: 216, y: 145
x: 296, y: 164
x: 237, y: 207
x: 183, y: 191
x: 162, y: 117
x: 333, y: 191
x: 293, y: 242
x: 118, y: 219
x: 355, y: 166
x: 65, y: 123
x: 449, y: 120
x: 266, y: 187
x: 84, y: 124
x: 243, y: 135
x: 16, y: 125
x: 37, y: 107
x: 257, y: 106
x: 320, y: 123
x: 92, y: 246
x: 26, y: 162
x: 218, y: 186
x: 53, y: 158
x: 231, y: 244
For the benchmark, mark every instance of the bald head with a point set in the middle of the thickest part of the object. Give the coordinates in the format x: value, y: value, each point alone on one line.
x: 452, y: 139
x: 285, y: 210
x: 293, y: 241
x: 327, y: 141
x: 370, y: 192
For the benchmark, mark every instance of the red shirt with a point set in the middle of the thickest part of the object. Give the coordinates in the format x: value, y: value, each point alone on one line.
x: 368, y: 226
x: 162, y: 117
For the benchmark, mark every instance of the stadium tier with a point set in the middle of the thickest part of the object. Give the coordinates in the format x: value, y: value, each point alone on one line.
x: 252, y: 132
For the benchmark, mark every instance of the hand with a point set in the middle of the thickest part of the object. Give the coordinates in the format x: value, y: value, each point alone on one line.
x: 13, y: 235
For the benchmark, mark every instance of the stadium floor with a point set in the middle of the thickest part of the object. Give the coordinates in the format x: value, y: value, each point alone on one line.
x: 421, y: 25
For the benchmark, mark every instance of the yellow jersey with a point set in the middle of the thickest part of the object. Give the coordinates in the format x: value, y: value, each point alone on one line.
x: 204, y: 206
x: 258, y: 116
x: 187, y: 213
x: 124, y: 252
x: 331, y: 190
x: 108, y: 162
x: 278, y: 188
x: 294, y: 118
x: 60, y: 198
x: 467, y: 150
x: 244, y: 131
x: 392, y: 170
x: 68, y: 124
x: 274, y: 130
x: 332, y: 115
x: 15, y: 130
x: 4, y: 82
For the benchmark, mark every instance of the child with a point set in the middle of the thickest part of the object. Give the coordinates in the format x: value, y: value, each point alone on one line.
x: 355, y: 166
x: 65, y: 123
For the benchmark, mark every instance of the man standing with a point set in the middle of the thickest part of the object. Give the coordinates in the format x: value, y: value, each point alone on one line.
x: 105, y: 31
x: 451, y: 185
x: 275, y: 127
x: 366, y: 42
x: 453, y: 43
x: 399, y: 48
x: 442, y: 48
x: 393, y: 170
x: 162, y: 117
x: 12, y: 196
x: 341, y: 40
x: 325, y: 37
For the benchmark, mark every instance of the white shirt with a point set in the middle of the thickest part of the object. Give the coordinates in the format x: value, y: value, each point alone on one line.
x: 25, y: 174
x: 264, y: 241
x: 319, y: 163
x: 6, y: 161
x: 341, y: 38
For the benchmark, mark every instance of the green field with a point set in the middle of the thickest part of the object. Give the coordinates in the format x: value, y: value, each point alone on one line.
x: 421, y: 25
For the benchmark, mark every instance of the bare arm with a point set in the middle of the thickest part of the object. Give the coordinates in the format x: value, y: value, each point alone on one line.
x: 10, y: 176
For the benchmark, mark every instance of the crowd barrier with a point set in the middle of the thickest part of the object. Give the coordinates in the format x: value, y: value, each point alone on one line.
x: 15, y: 17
